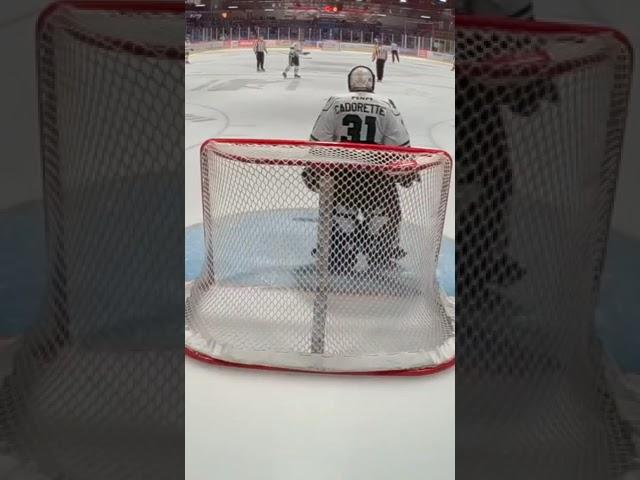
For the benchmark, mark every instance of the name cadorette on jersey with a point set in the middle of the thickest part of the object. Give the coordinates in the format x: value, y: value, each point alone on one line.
x: 372, y: 108
x: 361, y: 117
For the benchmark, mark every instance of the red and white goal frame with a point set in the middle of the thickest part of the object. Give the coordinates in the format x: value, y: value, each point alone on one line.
x: 554, y: 59
x: 304, y: 317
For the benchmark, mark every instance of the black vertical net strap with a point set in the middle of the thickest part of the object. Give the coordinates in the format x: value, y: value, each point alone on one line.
x: 322, y: 257
x: 96, y: 388
x: 540, y: 118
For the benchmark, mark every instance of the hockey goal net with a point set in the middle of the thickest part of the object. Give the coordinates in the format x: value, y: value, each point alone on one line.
x: 117, y: 48
x: 110, y: 83
x: 321, y: 257
x: 540, y: 120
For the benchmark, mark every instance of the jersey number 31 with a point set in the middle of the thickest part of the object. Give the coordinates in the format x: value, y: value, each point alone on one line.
x: 354, y: 132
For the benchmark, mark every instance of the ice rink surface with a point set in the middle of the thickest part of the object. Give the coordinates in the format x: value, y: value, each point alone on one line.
x: 226, y: 97
x: 264, y: 425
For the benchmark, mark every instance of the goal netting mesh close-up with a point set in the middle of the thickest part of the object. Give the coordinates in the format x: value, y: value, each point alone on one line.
x: 89, y: 378
x: 321, y: 257
x: 540, y: 118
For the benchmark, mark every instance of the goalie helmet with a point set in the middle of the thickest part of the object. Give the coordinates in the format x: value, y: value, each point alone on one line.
x: 361, y: 79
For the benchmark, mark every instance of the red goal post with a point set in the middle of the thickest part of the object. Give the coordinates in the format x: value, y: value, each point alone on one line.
x: 274, y: 250
x: 535, y: 49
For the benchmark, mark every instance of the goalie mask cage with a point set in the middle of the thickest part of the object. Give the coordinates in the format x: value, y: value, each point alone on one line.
x: 112, y: 149
x: 540, y: 119
x: 321, y: 257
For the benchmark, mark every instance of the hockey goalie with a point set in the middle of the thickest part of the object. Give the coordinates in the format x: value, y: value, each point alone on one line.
x: 365, y: 205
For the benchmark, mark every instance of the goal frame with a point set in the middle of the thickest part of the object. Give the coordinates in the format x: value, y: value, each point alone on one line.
x: 108, y: 42
x: 413, y: 166
x: 497, y: 69
x: 536, y: 26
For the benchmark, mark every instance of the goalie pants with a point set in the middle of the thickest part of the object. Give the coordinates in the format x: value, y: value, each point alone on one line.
x: 366, y: 216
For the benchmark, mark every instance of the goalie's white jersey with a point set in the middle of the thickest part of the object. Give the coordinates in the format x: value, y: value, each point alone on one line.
x: 360, y: 117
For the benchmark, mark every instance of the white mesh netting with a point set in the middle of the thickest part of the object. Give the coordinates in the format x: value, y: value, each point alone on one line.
x: 540, y: 116
x: 321, y: 257
x: 101, y: 365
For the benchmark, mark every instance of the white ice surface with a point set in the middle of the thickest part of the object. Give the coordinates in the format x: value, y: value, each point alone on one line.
x: 226, y: 97
x: 244, y: 424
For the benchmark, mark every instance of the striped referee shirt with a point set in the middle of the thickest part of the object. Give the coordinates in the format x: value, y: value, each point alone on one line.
x: 260, y: 46
x: 381, y: 53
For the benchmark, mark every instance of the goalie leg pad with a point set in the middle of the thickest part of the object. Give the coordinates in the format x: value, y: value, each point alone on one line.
x: 382, y: 230
x: 343, y: 248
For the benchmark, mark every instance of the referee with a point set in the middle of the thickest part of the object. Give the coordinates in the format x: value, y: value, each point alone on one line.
x: 380, y: 55
x: 260, y: 48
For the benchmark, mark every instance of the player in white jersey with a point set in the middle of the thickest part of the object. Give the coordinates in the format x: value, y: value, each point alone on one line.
x: 294, y: 61
x: 394, y: 52
x: 361, y: 116
x: 366, y: 206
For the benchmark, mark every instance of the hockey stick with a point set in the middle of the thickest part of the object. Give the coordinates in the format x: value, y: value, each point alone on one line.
x: 304, y: 53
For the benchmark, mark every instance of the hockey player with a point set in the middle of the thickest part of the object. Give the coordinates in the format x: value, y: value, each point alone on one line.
x: 394, y: 52
x: 187, y: 49
x: 380, y: 54
x: 260, y: 48
x: 294, y: 61
x: 365, y: 206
